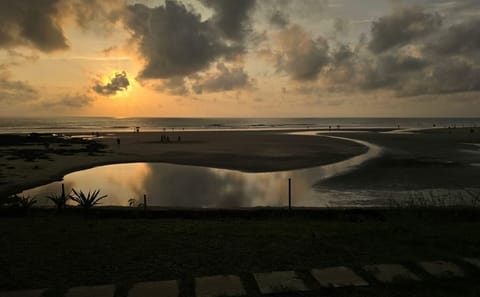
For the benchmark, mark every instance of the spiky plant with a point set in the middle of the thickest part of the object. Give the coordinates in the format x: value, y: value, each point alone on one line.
x: 60, y: 200
x: 87, y: 201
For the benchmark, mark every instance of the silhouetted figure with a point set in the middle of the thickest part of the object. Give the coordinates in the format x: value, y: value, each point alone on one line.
x: 179, y: 139
x: 472, y: 131
x: 137, y: 129
x: 118, y: 141
x: 329, y: 128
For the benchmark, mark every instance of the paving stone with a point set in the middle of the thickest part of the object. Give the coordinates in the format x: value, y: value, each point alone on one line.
x: 442, y: 268
x: 473, y: 261
x: 154, y: 289
x: 279, y: 281
x: 219, y: 285
x: 388, y: 273
x: 31, y: 293
x: 96, y: 291
x: 338, y: 277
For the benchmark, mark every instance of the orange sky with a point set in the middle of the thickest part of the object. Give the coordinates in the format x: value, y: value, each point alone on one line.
x: 272, y: 58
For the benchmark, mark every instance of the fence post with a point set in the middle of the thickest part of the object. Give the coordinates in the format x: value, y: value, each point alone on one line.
x: 63, y: 196
x: 289, y: 194
x: 145, y: 202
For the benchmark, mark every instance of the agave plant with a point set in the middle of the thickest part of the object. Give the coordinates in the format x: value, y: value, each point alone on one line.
x: 60, y: 200
x: 88, y: 200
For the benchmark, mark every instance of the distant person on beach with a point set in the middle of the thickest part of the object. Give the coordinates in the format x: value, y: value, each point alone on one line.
x: 118, y: 141
x: 179, y: 139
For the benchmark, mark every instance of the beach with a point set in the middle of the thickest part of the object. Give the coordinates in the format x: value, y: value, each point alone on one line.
x: 25, y: 165
x: 438, y: 159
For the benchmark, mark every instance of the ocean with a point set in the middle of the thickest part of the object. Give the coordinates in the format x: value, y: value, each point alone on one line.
x: 111, y: 124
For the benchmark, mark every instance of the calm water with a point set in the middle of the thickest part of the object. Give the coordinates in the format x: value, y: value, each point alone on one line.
x: 90, y: 124
x: 189, y: 186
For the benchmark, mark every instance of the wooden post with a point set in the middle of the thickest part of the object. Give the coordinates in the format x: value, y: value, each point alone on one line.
x: 145, y: 202
x: 289, y: 194
x: 63, y: 195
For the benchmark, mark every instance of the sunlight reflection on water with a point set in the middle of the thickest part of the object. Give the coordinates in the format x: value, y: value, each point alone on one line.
x: 190, y: 186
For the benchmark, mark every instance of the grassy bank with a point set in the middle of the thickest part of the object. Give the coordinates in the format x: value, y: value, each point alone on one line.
x: 45, y: 249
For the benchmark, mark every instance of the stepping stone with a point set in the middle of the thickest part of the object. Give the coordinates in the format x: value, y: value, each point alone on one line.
x: 96, y: 291
x: 279, y: 281
x: 154, y: 289
x: 442, y: 269
x: 473, y: 261
x: 388, y: 273
x: 31, y: 293
x: 338, y: 277
x: 219, y: 285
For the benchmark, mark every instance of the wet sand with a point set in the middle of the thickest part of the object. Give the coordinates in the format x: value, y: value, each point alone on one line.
x: 252, y: 151
x: 439, y: 158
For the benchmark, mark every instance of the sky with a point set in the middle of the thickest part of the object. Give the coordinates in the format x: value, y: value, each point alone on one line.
x: 240, y: 58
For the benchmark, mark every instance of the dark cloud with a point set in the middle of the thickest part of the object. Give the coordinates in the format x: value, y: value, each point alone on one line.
x: 402, y: 27
x: 15, y: 91
x: 224, y: 79
x: 391, y: 71
x: 450, y: 76
x: 174, y: 86
x: 301, y: 57
x: 38, y: 23
x: 31, y: 23
x: 116, y: 84
x: 459, y: 39
x: 279, y: 19
x: 175, y: 41
x: 231, y: 17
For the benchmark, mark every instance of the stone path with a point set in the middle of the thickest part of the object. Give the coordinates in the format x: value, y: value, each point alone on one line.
x: 388, y: 273
x: 220, y: 285
x: 279, y: 281
x: 337, y: 277
x: 272, y: 282
x: 151, y: 289
x: 442, y: 269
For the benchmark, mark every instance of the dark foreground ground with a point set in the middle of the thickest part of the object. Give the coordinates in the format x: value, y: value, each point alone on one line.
x: 46, y: 249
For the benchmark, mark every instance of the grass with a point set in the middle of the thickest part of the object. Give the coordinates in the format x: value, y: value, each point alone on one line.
x: 58, y: 251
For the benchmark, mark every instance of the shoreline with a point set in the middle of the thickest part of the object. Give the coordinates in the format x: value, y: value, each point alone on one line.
x: 272, y: 152
x: 429, y: 158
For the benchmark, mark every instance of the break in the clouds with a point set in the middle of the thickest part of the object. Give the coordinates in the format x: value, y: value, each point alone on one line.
x: 118, y: 83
